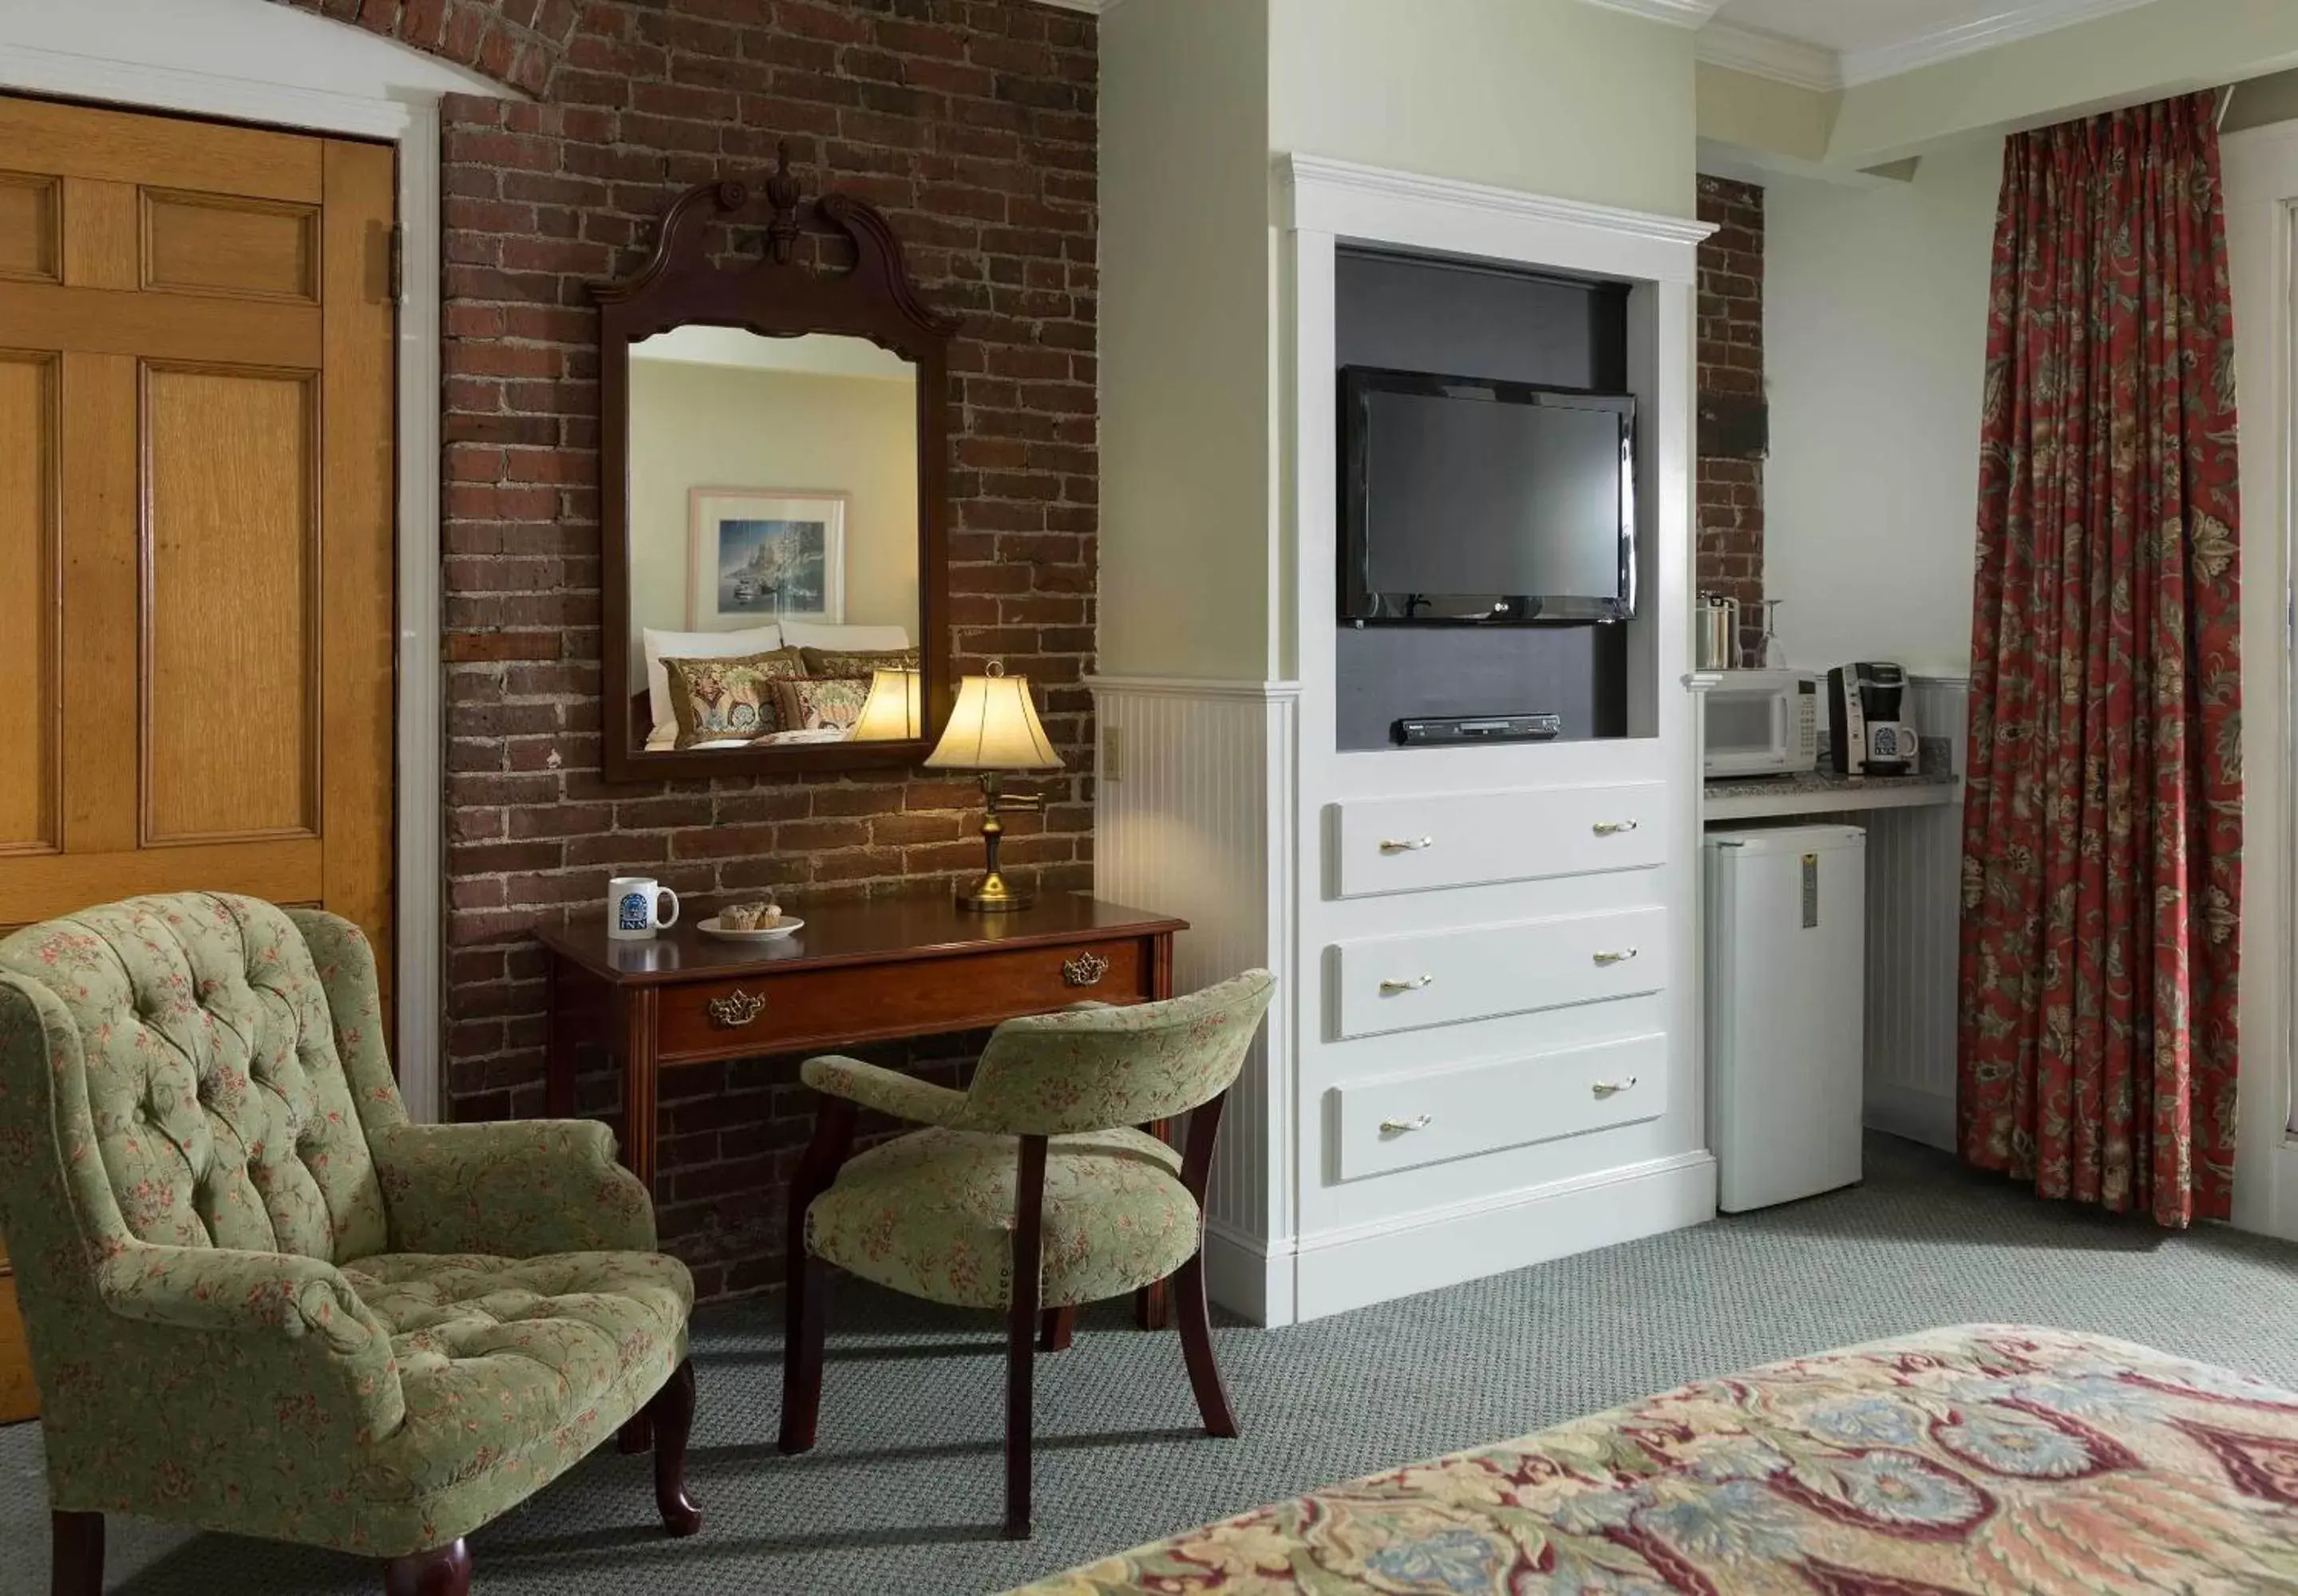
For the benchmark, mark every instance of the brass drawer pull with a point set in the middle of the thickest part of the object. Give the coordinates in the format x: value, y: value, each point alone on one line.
x: 1407, y: 845
x: 1405, y: 1127
x: 1085, y: 969
x: 1620, y: 955
x: 1613, y: 1089
x: 736, y: 1009
x: 1612, y: 828
x: 1413, y: 986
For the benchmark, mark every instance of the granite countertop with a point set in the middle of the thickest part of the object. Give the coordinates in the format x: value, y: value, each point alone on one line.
x: 1937, y: 762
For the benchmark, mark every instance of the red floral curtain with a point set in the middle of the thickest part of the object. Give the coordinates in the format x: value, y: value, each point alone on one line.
x: 2102, y: 856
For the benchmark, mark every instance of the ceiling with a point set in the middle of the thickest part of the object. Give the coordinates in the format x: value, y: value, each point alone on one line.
x: 1829, y: 43
x: 1844, y: 25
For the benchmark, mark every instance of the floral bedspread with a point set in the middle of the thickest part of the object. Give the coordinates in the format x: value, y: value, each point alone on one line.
x: 1986, y: 1459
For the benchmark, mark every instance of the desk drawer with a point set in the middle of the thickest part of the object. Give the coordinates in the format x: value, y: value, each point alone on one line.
x: 824, y: 1008
x: 1442, y: 977
x: 1463, y: 839
x: 1399, y: 1122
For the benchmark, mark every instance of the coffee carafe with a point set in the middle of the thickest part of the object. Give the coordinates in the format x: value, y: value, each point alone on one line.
x: 1867, y: 732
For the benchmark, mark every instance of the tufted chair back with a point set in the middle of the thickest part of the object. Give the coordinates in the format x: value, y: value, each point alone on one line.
x: 223, y: 1108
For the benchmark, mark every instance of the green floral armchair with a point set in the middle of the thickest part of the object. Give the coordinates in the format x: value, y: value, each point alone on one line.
x: 259, y: 1299
x: 1031, y: 1193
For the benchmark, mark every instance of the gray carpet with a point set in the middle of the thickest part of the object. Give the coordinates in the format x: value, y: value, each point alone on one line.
x: 902, y: 1494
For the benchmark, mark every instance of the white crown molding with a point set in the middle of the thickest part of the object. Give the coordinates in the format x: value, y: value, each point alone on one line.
x: 1092, y: 8
x: 2006, y: 27
x: 1307, y: 174
x: 1772, y: 55
x: 1681, y: 13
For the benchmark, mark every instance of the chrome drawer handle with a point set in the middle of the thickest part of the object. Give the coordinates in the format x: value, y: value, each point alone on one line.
x: 1612, y: 828
x: 1085, y: 969
x: 1413, y: 986
x: 1407, y: 845
x: 1613, y: 1089
x: 1405, y: 1127
x: 1618, y: 956
x: 736, y: 1009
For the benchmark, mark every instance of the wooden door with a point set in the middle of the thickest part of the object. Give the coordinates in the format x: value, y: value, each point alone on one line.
x: 196, y: 556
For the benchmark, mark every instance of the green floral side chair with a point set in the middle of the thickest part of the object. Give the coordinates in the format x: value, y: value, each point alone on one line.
x: 260, y: 1301
x: 1032, y: 1192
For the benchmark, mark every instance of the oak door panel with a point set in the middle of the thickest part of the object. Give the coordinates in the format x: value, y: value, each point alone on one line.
x: 156, y: 151
x: 31, y: 718
x: 230, y: 554
x: 32, y: 229
x: 224, y: 244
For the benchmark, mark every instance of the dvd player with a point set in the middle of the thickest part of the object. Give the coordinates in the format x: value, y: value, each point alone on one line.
x: 1480, y: 728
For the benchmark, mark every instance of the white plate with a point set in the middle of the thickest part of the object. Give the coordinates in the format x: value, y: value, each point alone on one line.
x: 771, y: 933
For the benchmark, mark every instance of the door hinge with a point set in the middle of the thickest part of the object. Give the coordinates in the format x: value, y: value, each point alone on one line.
x: 395, y: 250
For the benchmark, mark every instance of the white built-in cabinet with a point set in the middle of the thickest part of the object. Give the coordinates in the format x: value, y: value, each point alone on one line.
x: 1485, y: 1049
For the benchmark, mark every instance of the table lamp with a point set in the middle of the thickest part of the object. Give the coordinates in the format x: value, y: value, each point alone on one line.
x: 993, y: 730
x: 891, y: 714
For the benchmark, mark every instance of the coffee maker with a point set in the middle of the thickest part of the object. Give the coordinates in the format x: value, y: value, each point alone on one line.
x: 1866, y: 731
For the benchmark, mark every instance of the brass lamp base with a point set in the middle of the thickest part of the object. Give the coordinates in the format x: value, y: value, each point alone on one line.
x: 992, y: 894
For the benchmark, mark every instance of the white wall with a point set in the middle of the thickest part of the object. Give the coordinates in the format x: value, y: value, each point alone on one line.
x: 1185, y: 386
x: 721, y: 426
x: 1875, y: 353
x: 1547, y: 97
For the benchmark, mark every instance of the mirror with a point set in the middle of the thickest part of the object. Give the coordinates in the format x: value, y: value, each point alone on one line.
x: 770, y: 465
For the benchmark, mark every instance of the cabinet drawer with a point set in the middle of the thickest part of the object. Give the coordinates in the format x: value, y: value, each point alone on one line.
x: 1441, y: 977
x: 1400, y: 1121
x: 1462, y: 839
x: 829, y: 1008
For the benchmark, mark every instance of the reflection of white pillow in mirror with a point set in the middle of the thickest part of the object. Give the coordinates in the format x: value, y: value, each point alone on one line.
x: 660, y: 645
x: 843, y: 639
x: 828, y: 355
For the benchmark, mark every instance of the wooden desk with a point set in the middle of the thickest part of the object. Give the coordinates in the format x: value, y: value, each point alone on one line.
x: 869, y: 970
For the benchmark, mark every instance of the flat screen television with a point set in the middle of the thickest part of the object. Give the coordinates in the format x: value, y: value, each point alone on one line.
x: 1468, y: 501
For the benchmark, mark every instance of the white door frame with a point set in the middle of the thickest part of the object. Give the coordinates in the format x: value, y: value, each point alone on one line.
x: 388, y: 92
x: 2261, y: 197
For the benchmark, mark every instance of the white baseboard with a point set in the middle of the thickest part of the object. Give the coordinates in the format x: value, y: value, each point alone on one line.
x: 1924, y: 1116
x: 1374, y: 1263
x: 1248, y: 1276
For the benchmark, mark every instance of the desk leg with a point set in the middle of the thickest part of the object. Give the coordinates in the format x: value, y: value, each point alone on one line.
x: 558, y: 1047
x: 638, y: 1083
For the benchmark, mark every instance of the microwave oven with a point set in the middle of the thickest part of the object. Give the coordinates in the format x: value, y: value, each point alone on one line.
x: 1761, y: 723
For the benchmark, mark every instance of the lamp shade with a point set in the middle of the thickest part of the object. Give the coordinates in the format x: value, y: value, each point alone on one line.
x: 995, y: 727
x: 891, y: 712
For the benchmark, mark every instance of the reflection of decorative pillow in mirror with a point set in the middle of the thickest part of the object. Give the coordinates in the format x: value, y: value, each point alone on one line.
x: 820, y: 702
x: 716, y: 700
x: 659, y: 645
x: 861, y: 662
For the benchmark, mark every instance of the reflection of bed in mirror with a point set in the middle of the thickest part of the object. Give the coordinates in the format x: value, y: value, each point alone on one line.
x: 732, y: 585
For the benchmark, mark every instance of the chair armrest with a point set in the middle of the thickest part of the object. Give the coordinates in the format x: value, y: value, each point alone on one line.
x: 515, y: 1188
x: 888, y: 1091
x: 268, y: 1324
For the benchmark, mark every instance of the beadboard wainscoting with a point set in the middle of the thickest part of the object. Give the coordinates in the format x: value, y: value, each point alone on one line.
x: 1193, y: 783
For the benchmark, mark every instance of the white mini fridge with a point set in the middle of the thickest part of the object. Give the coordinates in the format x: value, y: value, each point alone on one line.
x: 1786, y: 965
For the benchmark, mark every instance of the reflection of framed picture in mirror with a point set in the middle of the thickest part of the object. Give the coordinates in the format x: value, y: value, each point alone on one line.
x: 760, y: 555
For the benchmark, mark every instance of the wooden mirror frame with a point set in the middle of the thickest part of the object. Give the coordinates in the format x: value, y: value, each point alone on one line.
x: 773, y: 297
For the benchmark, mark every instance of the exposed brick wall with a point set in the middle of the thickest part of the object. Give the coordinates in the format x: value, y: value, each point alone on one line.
x: 1730, y: 550
x: 971, y: 123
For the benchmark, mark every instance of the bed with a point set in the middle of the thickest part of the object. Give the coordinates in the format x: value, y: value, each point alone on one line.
x: 1985, y: 1458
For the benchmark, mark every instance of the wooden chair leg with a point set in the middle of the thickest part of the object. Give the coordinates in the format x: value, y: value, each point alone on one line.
x: 1021, y: 1331
x: 636, y: 1436
x: 671, y: 1412
x: 1194, y: 1312
x: 76, y: 1554
x: 443, y: 1571
x: 805, y: 1328
x: 1060, y: 1329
